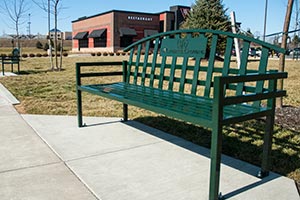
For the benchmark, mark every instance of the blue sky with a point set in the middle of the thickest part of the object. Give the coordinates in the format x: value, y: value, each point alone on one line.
x: 250, y: 13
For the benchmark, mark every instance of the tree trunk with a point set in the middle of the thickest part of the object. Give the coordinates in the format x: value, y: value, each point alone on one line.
x: 49, y: 39
x: 55, y: 40
x: 286, y: 26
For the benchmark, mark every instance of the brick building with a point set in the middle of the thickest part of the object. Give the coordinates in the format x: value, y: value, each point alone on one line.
x: 114, y: 30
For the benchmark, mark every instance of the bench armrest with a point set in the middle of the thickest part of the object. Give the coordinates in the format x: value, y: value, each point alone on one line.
x: 269, y: 93
x: 80, y: 74
x: 220, y: 99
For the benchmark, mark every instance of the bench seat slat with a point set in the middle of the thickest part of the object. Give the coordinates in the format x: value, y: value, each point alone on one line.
x: 185, y: 106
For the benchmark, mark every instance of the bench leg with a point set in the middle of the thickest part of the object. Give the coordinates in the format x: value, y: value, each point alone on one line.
x: 79, y: 108
x: 2, y: 67
x: 215, y: 156
x: 125, y: 112
x: 267, y: 148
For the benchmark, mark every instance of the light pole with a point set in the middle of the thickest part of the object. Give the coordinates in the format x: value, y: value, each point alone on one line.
x: 265, y: 21
x: 49, y: 17
x: 29, y: 23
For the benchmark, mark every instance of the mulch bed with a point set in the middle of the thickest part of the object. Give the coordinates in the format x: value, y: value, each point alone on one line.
x: 288, y: 117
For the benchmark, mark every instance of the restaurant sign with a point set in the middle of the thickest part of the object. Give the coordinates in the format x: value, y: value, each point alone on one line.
x: 140, y: 18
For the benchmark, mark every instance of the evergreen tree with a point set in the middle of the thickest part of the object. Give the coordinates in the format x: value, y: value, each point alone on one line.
x: 295, y: 41
x: 249, y: 33
x: 207, y: 14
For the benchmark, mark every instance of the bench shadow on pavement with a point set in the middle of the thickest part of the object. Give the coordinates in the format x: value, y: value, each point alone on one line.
x: 167, y: 125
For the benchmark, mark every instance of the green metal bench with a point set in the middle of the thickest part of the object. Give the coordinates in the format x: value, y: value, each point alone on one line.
x: 178, y: 74
x: 12, y: 59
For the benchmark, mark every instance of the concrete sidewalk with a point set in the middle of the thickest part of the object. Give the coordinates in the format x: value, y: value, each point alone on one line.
x: 48, y: 157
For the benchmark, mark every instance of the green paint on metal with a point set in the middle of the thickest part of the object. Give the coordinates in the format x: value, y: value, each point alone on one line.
x: 181, y: 47
x: 164, y: 73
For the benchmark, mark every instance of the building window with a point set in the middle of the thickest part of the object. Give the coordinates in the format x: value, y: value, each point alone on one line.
x: 82, y: 38
x: 83, y: 43
x: 126, y: 36
x: 99, y: 36
x: 99, y: 42
x: 161, y: 26
x: 126, y: 40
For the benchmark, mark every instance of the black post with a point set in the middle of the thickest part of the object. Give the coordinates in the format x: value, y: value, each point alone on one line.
x: 79, y: 96
x: 125, y: 106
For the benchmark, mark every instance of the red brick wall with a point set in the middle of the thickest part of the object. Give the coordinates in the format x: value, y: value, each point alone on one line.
x: 137, y: 21
x: 98, y: 22
x: 113, y: 21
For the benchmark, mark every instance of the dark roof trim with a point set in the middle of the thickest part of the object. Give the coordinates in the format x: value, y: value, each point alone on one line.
x: 80, y: 35
x: 111, y: 11
x: 127, y: 31
x: 97, y: 33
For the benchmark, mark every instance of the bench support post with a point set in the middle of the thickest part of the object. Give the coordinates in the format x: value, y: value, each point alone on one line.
x: 215, y: 166
x: 2, y: 62
x: 265, y: 167
x: 18, y: 67
x: 125, y: 106
x: 79, y: 108
x: 79, y: 96
x: 125, y: 112
x: 216, y: 140
x: 267, y: 148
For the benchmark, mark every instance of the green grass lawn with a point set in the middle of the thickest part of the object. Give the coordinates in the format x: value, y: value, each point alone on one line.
x: 46, y: 92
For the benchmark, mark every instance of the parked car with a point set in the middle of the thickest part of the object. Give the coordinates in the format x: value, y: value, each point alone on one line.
x: 258, y: 51
x: 295, y: 51
x: 252, y: 52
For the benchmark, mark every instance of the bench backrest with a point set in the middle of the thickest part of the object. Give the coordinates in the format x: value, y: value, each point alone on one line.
x: 187, y: 60
x: 15, y: 54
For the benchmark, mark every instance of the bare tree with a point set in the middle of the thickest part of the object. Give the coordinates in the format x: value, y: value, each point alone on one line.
x: 52, y: 7
x: 56, y: 3
x: 15, y: 10
x: 297, y: 20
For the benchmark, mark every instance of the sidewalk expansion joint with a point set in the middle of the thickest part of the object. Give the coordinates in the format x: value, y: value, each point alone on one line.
x: 82, y: 181
x: 29, y: 167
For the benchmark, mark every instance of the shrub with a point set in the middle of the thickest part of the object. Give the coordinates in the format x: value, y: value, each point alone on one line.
x: 98, y: 53
x: 45, y: 55
x: 65, y: 54
x: 46, y: 46
x: 38, y: 55
x: 58, y: 46
x: 111, y: 53
x: 93, y: 54
x: 39, y: 45
x: 123, y: 53
x: 105, y: 54
x: 24, y: 55
x: 118, y: 53
x: 31, y: 55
